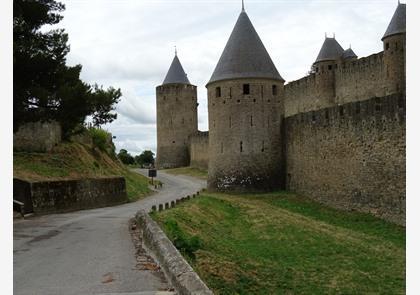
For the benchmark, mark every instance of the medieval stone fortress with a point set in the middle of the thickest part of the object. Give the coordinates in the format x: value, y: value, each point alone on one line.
x: 336, y: 135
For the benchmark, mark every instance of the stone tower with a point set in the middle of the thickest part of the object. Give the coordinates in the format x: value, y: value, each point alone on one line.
x: 245, y: 107
x: 324, y: 66
x: 176, y: 107
x: 394, y: 51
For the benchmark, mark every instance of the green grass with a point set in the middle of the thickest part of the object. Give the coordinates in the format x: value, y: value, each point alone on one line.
x: 190, y: 171
x: 73, y: 161
x: 280, y: 243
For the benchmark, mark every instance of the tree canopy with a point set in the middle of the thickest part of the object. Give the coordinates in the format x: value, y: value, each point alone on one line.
x: 44, y: 87
x: 145, y: 158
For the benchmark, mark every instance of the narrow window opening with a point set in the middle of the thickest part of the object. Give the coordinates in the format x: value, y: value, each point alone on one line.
x: 230, y: 92
x: 241, y: 148
x: 245, y: 89
x: 251, y: 122
x: 329, y: 67
x: 214, y: 123
x: 386, y: 46
x: 262, y: 148
x: 218, y: 92
x: 173, y: 141
x: 327, y: 115
x: 316, y: 70
x: 221, y: 148
x: 341, y: 111
x: 262, y: 91
x: 274, y: 89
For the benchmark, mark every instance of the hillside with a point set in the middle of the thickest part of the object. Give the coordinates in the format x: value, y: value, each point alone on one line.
x: 70, y: 160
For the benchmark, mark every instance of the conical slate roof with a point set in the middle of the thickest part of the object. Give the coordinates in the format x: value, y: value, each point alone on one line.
x: 348, y: 53
x: 244, y: 55
x: 330, y: 50
x: 176, y: 74
x: 397, y: 24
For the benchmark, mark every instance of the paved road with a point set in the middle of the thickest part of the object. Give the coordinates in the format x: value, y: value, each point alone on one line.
x: 90, y: 251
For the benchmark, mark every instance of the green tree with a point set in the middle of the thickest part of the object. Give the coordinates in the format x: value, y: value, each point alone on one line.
x: 44, y: 87
x: 145, y: 158
x: 125, y: 157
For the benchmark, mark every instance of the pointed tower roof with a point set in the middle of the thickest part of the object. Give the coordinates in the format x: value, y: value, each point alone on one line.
x: 176, y: 73
x: 397, y: 24
x: 348, y: 53
x: 244, y: 55
x: 330, y: 50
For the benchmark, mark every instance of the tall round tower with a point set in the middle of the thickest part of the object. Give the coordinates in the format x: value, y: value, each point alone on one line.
x: 176, y: 107
x: 394, y: 51
x: 246, y: 108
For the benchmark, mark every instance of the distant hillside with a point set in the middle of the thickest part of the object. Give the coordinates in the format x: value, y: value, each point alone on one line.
x: 75, y: 160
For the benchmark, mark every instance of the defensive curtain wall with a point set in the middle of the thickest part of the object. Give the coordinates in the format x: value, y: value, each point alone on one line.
x: 351, y: 156
x: 199, y: 150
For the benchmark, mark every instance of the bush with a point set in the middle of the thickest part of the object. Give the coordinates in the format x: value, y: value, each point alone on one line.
x: 99, y: 138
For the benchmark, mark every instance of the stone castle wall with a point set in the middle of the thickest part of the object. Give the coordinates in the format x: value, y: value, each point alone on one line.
x: 351, y: 156
x: 37, y: 137
x: 244, y: 135
x: 199, y: 148
x: 176, y: 107
x: 347, y: 81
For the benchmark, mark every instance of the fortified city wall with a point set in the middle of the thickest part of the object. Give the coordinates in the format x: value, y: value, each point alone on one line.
x: 351, y: 156
x: 199, y: 150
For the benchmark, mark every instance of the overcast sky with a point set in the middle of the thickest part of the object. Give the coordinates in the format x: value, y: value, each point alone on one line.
x: 129, y: 44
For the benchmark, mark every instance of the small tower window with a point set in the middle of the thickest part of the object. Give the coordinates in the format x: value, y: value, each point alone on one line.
x: 218, y: 92
x: 246, y: 89
x: 330, y: 67
x: 386, y: 46
x: 262, y: 148
x: 274, y: 88
x: 240, y: 147
x: 252, y: 123
x: 316, y: 69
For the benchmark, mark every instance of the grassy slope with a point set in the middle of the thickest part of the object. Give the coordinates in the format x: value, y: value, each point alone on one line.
x: 279, y: 243
x: 190, y: 171
x: 73, y: 160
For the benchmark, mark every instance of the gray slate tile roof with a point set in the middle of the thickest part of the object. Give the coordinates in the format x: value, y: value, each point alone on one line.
x: 348, y: 53
x: 397, y: 24
x: 244, y: 55
x: 176, y: 74
x: 330, y: 50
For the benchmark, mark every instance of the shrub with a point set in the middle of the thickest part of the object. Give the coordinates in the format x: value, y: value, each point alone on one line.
x: 99, y: 138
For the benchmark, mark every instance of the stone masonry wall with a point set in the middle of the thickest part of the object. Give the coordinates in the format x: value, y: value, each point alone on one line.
x: 70, y: 195
x: 37, y: 137
x: 351, y: 156
x: 199, y: 150
x: 360, y: 79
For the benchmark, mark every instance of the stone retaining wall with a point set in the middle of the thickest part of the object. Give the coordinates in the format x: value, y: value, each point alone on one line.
x: 70, y: 195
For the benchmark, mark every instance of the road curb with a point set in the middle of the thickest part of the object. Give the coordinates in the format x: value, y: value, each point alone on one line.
x: 180, y: 274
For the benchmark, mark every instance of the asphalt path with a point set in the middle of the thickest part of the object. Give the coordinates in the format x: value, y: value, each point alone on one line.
x: 91, y: 251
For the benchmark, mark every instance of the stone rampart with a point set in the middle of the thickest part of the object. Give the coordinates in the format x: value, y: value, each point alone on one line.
x: 37, y: 137
x: 351, y: 156
x: 70, y: 195
x: 199, y: 150
x: 360, y: 79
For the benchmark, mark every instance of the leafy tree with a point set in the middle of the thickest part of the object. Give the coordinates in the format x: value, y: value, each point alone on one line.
x: 145, y: 158
x: 125, y: 157
x: 44, y: 87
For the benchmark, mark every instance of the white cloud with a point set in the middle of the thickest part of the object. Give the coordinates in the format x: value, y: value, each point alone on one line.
x: 129, y: 45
